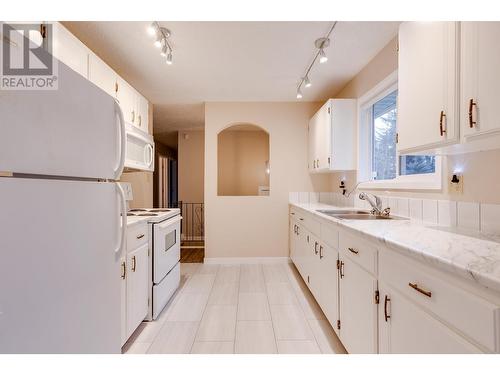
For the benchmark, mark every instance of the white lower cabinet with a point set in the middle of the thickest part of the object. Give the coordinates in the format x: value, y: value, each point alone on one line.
x: 137, y: 287
x: 325, y: 280
x: 380, y: 301
x: 358, y: 310
x: 405, y: 328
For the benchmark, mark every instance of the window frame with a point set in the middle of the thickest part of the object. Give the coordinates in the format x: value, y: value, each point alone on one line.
x: 427, y: 181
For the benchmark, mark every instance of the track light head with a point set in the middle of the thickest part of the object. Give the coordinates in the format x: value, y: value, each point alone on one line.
x: 152, y: 29
x: 164, y: 50
x: 158, y: 43
x: 169, y: 58
x: 322, y: 56
x: 307, y: 82
x: 299, y: 93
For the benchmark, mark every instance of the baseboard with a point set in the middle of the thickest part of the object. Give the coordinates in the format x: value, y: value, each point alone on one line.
x: 246, y: 260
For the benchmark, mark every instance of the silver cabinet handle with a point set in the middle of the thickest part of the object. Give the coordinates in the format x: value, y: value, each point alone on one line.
x: 316, y: 247
x: 140, y: 236
x: 134, y: 263
x: 124, y: 271
x: 320, y: 252
x: 352, y: 250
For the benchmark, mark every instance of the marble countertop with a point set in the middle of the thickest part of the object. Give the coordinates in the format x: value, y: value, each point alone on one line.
x: 472, y: 255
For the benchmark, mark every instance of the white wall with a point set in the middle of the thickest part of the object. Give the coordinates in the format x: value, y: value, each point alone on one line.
x: 258, y: 226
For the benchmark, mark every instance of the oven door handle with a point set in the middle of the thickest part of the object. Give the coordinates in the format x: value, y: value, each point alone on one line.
x: 170, y: 222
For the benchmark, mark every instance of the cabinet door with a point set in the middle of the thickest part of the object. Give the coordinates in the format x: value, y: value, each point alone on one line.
x: 292, y: 240
x: 428, y: 87
x: 323, y: 137
x: 126, y: 96
x: 358, y: 311
x: 123, y: 300
x: 327, y: 281
x: 312, y: 143
x: 406, y: 328
x: 137, y: 287
x: 314, y: 265
x: 142, y: 113
x: 68, y: 49
x: 102, y: 75
x: 480, y: 60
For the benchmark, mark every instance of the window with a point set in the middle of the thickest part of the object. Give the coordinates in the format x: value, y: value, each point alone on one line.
x: 380, y: 164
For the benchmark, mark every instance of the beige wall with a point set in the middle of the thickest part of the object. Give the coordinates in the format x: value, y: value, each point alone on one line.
x: 242, y: 157
x: 191, y: 161
x: 480, y: 184
x: 257, y: 226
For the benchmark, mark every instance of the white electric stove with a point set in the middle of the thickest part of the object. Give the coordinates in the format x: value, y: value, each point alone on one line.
x: 164, y: 243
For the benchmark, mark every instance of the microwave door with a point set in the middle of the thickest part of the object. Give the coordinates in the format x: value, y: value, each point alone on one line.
x: 139, y: 150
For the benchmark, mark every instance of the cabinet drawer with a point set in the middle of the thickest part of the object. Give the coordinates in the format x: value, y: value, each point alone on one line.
x: 330, y: 235
x: 307, y: 220
x: 476, y: 317
x: 137, y: 235
x: 359, y: 250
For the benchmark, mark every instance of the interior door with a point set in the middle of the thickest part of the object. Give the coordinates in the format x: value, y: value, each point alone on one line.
x: 60, y: 246
x: 137, y: 287
x: 72, y: 131
x: 406, y: 328
x: 427, y: 84
x: 480, y: 78
x: 358, y: 312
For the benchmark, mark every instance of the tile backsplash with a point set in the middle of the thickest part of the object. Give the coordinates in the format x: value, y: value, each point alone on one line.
x: 467, y: 215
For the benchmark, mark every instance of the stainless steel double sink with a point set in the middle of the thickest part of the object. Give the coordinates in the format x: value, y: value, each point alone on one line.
x: 358, y: 215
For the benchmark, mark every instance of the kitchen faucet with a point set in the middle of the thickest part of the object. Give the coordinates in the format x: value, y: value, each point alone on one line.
x: 376, y: 206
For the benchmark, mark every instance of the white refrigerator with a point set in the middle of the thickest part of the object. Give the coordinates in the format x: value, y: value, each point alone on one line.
x: 62, y: 218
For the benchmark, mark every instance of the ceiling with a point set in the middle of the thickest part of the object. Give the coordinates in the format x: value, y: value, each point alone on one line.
x: 231, y: 61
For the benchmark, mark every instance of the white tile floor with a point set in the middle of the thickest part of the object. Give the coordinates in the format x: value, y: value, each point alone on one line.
x: 248, y: 308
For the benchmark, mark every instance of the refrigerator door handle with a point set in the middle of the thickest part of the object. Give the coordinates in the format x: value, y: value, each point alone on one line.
x: 123, y: 214
x: 123, y: 139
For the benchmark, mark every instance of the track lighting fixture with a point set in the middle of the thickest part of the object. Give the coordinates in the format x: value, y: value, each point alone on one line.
x: 161, y: 35
x: 320, y: 55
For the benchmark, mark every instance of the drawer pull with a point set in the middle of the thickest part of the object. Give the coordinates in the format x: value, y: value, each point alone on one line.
x: 352, y: 250
x: 140, y: 236
x: 301, y: 218
x: 386, y: 301
x: 124, y: 271
x: 134, y: 263
x: 420, y: 290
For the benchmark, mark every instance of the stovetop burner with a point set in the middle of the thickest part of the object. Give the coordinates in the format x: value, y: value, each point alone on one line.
x: 138, y: 210
x: 159, y: 210
x: 146, y: 214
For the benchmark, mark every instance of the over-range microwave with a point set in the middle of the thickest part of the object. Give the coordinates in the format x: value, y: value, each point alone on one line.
x: 140, y: 149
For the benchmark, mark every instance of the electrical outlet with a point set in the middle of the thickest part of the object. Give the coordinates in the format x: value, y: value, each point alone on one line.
x: 454, y: 186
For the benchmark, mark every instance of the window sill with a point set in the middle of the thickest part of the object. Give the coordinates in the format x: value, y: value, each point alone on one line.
x: 404, y: 183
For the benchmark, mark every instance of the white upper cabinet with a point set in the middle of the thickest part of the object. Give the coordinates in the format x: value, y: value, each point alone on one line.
x: 332, y: 137
x: 480, y: 62
x: 126, y: 96
x: 69, y: 50
x: 142, y: 113
x: 427, y: 75
x: 102, y: 75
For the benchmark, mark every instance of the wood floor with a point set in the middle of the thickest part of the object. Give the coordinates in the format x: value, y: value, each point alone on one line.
x: 192, y: 254
x: 247, y: 308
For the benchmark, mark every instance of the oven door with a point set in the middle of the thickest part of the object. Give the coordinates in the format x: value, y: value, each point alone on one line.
x: 166, y: 247
x: 139, y: 153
